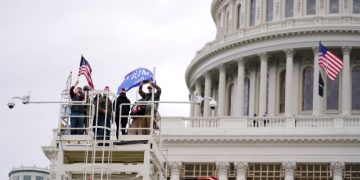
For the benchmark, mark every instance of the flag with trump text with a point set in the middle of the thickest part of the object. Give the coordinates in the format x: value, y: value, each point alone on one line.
x: 134, y: 78
x: 330, y: 62
x: 85, y: 69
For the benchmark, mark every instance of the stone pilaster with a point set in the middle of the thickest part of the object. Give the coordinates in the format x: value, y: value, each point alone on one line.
x: 222, y: 168
x: 337, y: 168
x: 175, y: 168
x: 241, y: 168
x: 289, y: 169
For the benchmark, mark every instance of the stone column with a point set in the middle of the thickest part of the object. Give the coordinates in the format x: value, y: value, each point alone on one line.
x: 289, y: 168
x: 346, y: 86
x: 241, y: 168
x: 192, y: 105
x: 288, y: 83
x: 317, y: 100
x: 252, y: 92
x: 207, y: 94
x: 222, y: 168
x: 198, y: 93
x: 222, y: 86
x: 240, y: 88
x: 272, y: 90
x: 263, y: 81
x: 175, y: 168
x: 337, y: 169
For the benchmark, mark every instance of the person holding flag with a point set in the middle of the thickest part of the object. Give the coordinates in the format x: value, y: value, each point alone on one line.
x: 77, y: 110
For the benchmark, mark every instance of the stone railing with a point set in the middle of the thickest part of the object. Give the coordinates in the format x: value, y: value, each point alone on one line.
x: 261, y: 122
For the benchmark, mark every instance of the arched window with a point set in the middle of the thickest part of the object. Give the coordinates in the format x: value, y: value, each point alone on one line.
x: 332, y: 94
x: 238, y: 12
x: 282, y: 92
x: 334, y: 6
x: 269, y: 10
x: 356, y: 6
x: 289, y: 8
x: 230, y: 98
x: 355, y: 88
x: 246, y: 96
x: 307, y: 89
x: 310, y: 7
x: 252, y: 12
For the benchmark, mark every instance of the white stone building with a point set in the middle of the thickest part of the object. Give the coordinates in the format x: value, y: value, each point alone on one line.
x: 29, y: 173
x: 269, y: 124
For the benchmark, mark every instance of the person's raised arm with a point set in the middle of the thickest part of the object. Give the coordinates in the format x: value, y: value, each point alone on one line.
x: 141, y: 92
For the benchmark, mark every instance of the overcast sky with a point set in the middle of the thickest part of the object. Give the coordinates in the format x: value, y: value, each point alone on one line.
x: 41, y: 42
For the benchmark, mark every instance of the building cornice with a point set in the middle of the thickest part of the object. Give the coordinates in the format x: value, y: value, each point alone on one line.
x: 180, y: 139
x: 223, y: 44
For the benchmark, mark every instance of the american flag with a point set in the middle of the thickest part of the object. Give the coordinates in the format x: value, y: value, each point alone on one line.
x: 85, y: 69
x: 330, y: 62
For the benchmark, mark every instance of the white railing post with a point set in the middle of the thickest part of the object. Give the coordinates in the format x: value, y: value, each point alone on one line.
x: 290, y: 123
x: 338, y: 123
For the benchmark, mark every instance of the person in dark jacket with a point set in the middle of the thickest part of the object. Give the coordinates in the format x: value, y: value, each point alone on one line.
x: 121, y: 99
x: 77, y: 110
x: 148, y: 97
x: 103, y: 116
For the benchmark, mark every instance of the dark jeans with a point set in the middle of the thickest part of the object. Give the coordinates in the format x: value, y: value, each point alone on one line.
x: 77, y: 121
x: 100, y: 131
x: 124, y: 121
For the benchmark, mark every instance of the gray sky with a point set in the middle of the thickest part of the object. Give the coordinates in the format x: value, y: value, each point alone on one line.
x: 41, y: 41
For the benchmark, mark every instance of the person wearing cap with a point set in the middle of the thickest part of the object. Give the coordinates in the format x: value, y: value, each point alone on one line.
x: 77, y: 111
x: 121, y: 99
x: 148, y: 97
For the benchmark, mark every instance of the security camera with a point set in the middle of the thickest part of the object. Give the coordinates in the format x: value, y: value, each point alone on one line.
x: 11, y: 104
x: 212, y: 104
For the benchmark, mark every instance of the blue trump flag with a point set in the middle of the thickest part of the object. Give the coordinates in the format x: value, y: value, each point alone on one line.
x: 134, y: 78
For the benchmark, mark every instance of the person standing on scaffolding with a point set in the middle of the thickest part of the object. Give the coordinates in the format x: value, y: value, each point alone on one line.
x: 77, y: 110
x: 103, y: 115
x: 148, y: 97
x: 121, y: 99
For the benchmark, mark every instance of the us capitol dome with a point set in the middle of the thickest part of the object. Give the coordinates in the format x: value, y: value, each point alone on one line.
x: 264, y: 59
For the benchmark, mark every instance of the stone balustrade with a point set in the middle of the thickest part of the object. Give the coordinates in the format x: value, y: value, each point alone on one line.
x: 261, y: 122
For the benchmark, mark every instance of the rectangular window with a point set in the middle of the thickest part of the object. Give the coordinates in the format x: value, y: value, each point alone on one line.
x: 252, y: 12
x: 310, y: 7
x: 334, y: 6
x: 39, y: 178
x: 26, y: 177
x: 356, y: 6
x: 16, y: 178
x: 269, y: 10
x: 289, y: 11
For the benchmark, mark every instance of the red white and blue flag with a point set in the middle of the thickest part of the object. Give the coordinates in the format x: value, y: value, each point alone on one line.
x: 85, y: 69
x: 330, y: 62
